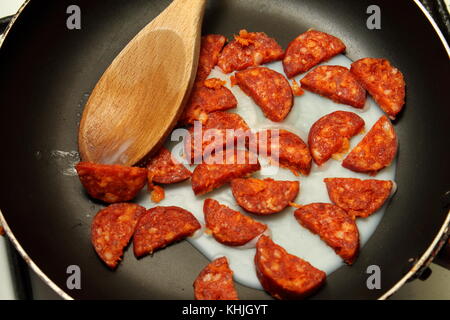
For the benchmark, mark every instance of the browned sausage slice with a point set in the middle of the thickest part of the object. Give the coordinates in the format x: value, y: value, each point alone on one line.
x: 333, y: 225
x: 284, y: 275
x: 336, y: 83
x: 330, y: 134
x: 161, y: 226
x: 210, y: 48
x: 163, y: 168
x: 111, y: 183
x: 112, y: 229
x: 269, y: 89
x: 384, y: 82
x: 215, y: 282
x: 375, y: 151
x: 228, y: 226
x: 264, y: 197
x: 360, y: 198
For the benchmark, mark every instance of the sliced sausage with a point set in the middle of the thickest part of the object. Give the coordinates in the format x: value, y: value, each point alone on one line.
x: 208, y: 176
x: 249, y: 49
x: 161, y: 226
x: 215, y: 282
x: 290, y: 151
x: 269, y: 89
x: 360, y: 198
x: 284, y: 275
x: 336, y: 83
x: 111, y: 183
x: 207, y: 97
x: 309, y: 49
x: 228, y: 226
x: 214, y: 135
x: 334, y: 226
x: 163, y: 168
x: 375, y: 151
x: 112, y: 229
x: 210, y: 48
x: 330, y: 134
x: 264, y: 197
x: 384, y: 82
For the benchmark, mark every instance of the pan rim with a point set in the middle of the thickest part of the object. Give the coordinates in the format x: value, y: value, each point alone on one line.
x: 420, y: 262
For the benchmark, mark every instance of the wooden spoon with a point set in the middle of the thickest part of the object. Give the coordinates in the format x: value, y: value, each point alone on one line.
x: 139, y: 98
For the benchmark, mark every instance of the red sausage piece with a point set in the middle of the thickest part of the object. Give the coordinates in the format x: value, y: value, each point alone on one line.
x: 375, y: 151
x: 290, y: 151
x: 336, y: 83
x: 384, y: 82
x: 360, y: 198
x: 207, y: 97
x: 208, y: 176
x: 111, y: 183
x: 215, y: 282
x: 247, y: 50
x: 264, y: 197
x: 330, y: 134
x: 163, y: 168
x: 284, y: 275
x: 333, y: 225
x: 210, y: 48
x: 309, y: 49
x: 161, y: 226
x: 269, y: 89
x: 112, y: 229
x: 228, y: 226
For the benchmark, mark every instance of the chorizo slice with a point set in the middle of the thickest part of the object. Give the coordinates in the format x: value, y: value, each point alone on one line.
x: 375, y: 151
x: 214, y: 135
x: 330, y: 134
x: 163, y: 168
x: 249, y: 49
x: 264, y: 197
x: 333, y: 225
x: 360, y: 198
x: 111, y: 183
x: 290, y: 151
x: 208, y: 175
x: 269, y: 89
x: 208, y: 97
x: 283, y: 275
x: 161, y: 226
x: 112, y: 229
x: 336, y: 83
x: 215, y: 282
x: 210, y: 47
x: 228, y: 226
x: 384, y: 82
x: 309, y: 49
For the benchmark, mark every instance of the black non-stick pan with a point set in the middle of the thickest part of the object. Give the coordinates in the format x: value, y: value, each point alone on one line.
x: 47, y: 71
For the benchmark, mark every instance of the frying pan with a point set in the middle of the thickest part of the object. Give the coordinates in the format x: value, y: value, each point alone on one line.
x: 47, y: 71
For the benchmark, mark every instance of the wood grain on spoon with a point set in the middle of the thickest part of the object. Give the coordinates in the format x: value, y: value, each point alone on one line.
x: 138, y: 99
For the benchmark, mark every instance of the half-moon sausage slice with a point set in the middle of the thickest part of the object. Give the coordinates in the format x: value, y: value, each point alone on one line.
x: 161, y: 226
x: 290, y: 151
x: 333, y: 225
x: 336, y: 83
x: 309, y: 49
x: 264, y: 197
x: 375, y: 151
x: 210, y: 48
x: 330, y: 134
x: 360, y: 198
x: 112, y: 229
x: 249, y: 49
x: 228, y: 226
x: 208, y: 176
x: 284, y: 275
x: 215, y: 282
x: 163, y: 168
x: 111, y: 183
x: 269, y: 89
x: 384, y: 82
